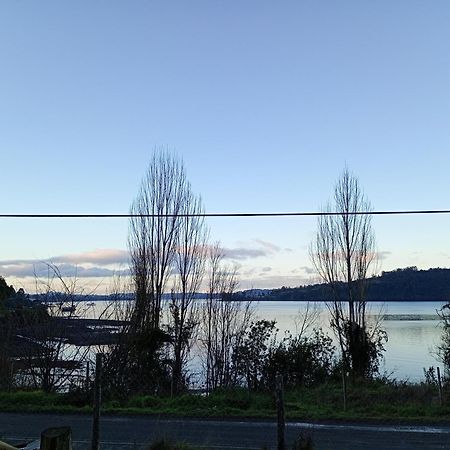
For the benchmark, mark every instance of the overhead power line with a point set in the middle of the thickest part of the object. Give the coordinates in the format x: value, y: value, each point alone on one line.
x: 271, y: 214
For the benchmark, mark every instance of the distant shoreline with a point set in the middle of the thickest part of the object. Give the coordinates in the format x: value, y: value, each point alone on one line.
x: 101, y: 298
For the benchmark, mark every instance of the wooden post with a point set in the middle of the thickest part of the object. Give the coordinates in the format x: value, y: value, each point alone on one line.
x: 97, y: 402
x: 344, y: 386
x: 87, y: 380
x: 281, y: 424
x: 440, y: 385
x: 58, y: 438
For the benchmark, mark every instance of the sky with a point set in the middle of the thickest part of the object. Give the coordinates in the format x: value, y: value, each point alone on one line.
x: 265, y: 102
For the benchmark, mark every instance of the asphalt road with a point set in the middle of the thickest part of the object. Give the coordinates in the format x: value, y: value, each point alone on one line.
x: 136, y: 432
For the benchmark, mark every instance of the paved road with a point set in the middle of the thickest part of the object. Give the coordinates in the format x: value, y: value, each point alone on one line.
x: 134, y: 432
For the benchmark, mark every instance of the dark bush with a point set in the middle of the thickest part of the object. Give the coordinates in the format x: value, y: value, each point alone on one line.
x: 303, y: 361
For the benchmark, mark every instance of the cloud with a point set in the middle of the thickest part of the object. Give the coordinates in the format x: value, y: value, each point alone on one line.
x: 265, y: 249
x: 383, y: 255
x: 266, y: 269
x: 40, y: 269
x: 97, y: 263
x: 243, y: 253
x: 272, y: 248
x: 99, y: 256
x: 308, y: 270
x: 247, y: 272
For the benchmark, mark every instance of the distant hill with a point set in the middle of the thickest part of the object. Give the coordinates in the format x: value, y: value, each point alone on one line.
x: 408, y: 284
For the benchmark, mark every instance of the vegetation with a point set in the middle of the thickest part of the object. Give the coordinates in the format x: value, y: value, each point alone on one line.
x: 302, y: 360
x: 444, y: 346
x: 147, y: 349
x: 223, y: 324
x: 312, y: 379
x: 342, y: 253
x: 5, y: 291
x: 377, y: 400
x: 170, y: 255
x: 17, y: 313
x: 154, y: 237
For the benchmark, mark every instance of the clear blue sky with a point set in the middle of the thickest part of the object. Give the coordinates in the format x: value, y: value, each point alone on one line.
x: 266, y: 102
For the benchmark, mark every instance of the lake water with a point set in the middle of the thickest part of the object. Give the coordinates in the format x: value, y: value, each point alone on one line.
x: 412, y: 328
x: 411, y: 344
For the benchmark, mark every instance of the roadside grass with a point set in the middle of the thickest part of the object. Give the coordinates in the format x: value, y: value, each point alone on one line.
x: 376, y: 400
x: 38, y: 401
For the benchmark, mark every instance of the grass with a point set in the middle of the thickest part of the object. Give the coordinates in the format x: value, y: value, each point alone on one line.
x: 371, y: 401
x: 368, y: 401
x: 38, y: 401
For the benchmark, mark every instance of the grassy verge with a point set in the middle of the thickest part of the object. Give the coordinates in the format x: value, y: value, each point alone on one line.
x: 38, y: 401
x: 372, y: 401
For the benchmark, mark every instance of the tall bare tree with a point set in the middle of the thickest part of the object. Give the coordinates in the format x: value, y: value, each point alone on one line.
x: 189, y: 269
x: 153, y: 235
x: 166, y: 239
x: 343, y: 253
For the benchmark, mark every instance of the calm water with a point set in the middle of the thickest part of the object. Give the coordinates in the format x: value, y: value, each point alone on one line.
x: 411, y: 343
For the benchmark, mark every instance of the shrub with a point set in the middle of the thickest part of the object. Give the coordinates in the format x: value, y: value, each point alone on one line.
x: 303, y: 361
x: 145, y: 401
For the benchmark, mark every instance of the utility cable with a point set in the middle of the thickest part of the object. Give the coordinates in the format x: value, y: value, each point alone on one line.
x: 272, y: 214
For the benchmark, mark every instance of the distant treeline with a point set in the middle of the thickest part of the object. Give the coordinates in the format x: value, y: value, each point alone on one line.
x: 409, y: 284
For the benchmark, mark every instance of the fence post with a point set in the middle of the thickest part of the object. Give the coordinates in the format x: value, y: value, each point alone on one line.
x: 59, y: 438
x: 281, y: 424
x: 97, y: 402
x: 87, y: 381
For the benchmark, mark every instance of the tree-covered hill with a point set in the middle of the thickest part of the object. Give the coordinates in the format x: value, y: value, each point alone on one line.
x: 409, y: 284
x: 5, y: 290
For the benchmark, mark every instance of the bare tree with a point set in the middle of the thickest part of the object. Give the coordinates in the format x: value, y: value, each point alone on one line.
x: 443, y: 348
x: 189, y: 270
x: 166, y: 238
x: 342, y: 253
x: 116, y: 355
x: 224, y: 322
x: 153, y: 235
x: 306, y: 319
x: 52, y: 363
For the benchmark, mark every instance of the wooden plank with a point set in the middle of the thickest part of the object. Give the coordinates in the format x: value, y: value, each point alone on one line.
x: 5, y: 446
